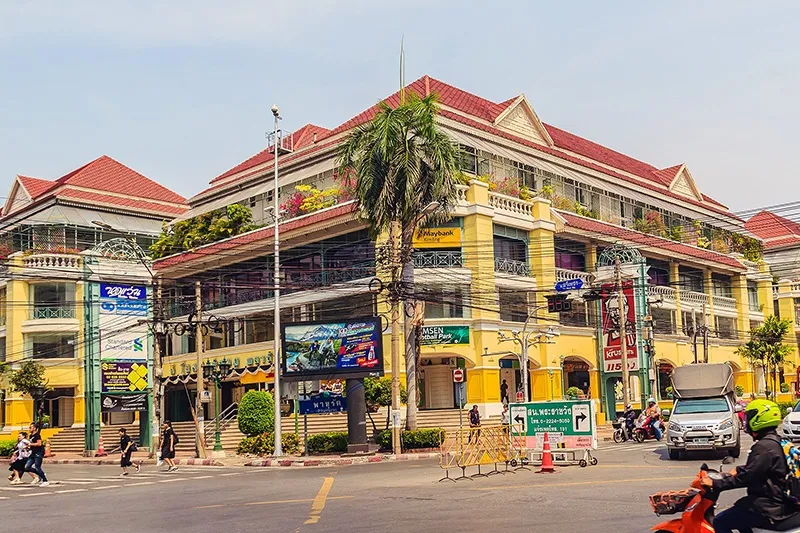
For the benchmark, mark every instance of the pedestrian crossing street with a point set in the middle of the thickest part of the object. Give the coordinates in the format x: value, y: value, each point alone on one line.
x: 88, y: 480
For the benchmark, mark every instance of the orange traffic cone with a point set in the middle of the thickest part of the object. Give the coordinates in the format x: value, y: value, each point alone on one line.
x: 47, y: 452
x: 101, y: 450
x: 547, y: 458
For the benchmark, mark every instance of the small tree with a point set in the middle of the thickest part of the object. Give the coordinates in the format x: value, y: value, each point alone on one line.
x: 766, y: 349
x: 256, y: 413
x: 377, y: 394
x: 28, y: 377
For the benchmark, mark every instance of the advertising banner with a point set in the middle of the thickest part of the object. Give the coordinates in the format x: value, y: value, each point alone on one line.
x: 123, y: 376
x: 568, y: 424
x: 611, y: 314
x: 123, y: 340
x: 126, y: 300
x: 123, y: 292
x: 123, y: 403
x: 350, y: 347
x: 444, y: 335
x: 437, y: 238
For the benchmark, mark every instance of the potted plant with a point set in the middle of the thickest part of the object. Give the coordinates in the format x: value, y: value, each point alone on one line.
x: 669, y: 391
x: 44, y: 420
x: 739, y: 391
x: 573, y: 393
x: 784, y: 388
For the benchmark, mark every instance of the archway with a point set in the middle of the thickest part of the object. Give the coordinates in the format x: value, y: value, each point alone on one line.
x: 577, y: 374
x: 511, y: 376
x: 437, y: 390
x: 664, y: 370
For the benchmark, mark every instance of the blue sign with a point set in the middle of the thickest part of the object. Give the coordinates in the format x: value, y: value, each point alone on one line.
x: 569, y: 285
x: 123, y: 292
x: 323, y: 403
x: 123, y: 307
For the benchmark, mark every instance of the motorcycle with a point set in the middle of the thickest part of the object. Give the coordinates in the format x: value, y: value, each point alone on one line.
x: 644, y: 431
x: 620, y: 432
x: 696, y: 506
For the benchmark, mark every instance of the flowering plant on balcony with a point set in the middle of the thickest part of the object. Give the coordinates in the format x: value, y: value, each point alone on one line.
x: 48, y: 249
x: 307, y: 199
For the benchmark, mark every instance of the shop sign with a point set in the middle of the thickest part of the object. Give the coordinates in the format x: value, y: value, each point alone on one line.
x: 437, y: 238
x: 611, y: 315
x: 123, y: 376
x: 123, y: 403
x: 130, y: 300
x: 324, y: 402
x: 433, y: 335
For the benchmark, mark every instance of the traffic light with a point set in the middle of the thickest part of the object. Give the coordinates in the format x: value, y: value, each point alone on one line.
x: 557, y: 303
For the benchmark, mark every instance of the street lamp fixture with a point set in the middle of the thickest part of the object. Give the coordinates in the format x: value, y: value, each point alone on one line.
x: 217, y: 371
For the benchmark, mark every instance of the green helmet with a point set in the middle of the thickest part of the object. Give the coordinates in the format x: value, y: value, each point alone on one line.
x: 762, y: 414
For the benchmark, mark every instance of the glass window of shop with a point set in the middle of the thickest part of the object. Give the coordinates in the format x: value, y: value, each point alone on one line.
x: 513, y: 305
x: 50, y: 346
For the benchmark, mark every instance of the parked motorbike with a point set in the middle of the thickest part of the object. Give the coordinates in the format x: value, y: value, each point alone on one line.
x: 644, y: 431
x: 696, y: 506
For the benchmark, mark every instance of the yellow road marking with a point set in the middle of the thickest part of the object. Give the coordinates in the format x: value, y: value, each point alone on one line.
x: 575, y: 483
x: 273, y: 502
x: 319, y: 501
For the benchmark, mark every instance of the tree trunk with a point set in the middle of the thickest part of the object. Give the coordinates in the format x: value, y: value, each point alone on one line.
x: 411, y: 347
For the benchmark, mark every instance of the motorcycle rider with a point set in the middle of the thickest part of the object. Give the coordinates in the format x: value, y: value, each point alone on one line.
x: 630, y: 421
x: 763, y: 475
x: 653, y: 417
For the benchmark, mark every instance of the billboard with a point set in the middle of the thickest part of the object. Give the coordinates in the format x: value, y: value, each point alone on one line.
x: 432, y: 335
x: 611, y: 314
x: 437, y: 238
x: 123, y: 403
x: 123, y: 330
x: 123, y: 376
x: 345, y: 348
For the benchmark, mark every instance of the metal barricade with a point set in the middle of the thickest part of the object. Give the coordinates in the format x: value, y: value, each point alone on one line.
x: 480, y: 446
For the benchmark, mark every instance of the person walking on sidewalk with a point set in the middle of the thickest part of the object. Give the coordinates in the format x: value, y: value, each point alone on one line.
x: 474, y: 424
x: 18, y: 460
x: 34, y: 462
x: 168, y: 441
x: 125, y: 450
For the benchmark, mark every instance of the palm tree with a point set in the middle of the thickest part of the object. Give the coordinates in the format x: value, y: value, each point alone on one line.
x: 402, y: 164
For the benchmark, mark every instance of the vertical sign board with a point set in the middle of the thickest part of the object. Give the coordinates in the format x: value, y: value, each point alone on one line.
x: 611, y: 314
x: 123, y: 334
x: 569, y: 424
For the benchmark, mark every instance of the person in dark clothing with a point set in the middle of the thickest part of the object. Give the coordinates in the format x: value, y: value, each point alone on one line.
x: 763, y: 475
x: 504, y: 392
x: 125, y: 450
x: 630, y: 421
x: 168, y: 442
x: 34, y: 463
x: 474, y: 423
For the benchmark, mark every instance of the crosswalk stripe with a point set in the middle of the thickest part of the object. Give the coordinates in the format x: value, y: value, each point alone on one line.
x: 173, y: 479
x: 76, y: 482
x: 34, y: 494
x: 90, y: 479
x: 16, y: 489
x: 107, y: 487
x: 70, y: 490
x: 140, y: 483
x: 202, y: 477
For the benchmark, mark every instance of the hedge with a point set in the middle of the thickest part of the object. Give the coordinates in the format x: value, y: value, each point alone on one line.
x: 333, y: 442
x: 785, y: 408
x: 412, y: 440
x: 256, y: 414
x: 7, y: 447
x: 264, y: 444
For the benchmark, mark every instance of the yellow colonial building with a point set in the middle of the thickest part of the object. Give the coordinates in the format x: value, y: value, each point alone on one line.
x: 537, y: 206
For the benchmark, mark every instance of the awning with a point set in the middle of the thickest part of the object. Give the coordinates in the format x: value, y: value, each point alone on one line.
x: 235, y: 374
x: 74, y: 216
x: 258, y: 189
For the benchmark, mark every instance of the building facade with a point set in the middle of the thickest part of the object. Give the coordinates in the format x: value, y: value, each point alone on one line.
x: 71, y: 248
x: 537, y: 205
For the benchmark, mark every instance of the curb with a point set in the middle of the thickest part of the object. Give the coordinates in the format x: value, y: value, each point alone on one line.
x: 109, y: 461
x: 299, y: 462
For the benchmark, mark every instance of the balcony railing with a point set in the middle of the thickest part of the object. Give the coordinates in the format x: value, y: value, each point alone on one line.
x: 563, y: 274
x: 52, y: 261
x: 438, y: 259
x: 668, y: 294
x: 510, y: 205
x: 694, y: 299
x: 511, y: 266
x: 44, y: 313
x: 724, y: 302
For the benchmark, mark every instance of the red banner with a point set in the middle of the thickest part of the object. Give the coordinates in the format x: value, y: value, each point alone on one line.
x: 612, y: 343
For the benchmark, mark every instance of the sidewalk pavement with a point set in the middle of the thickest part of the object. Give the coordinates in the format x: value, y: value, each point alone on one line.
x: 141, y: 457
x: 337, y: 460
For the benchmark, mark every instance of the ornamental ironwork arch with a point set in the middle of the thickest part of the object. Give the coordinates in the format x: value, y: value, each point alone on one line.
x: 120, y: 249
x: 625, y: 254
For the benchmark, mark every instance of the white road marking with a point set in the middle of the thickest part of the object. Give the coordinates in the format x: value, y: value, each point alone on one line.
x: 140, y: 483
x: 106, y: 487
x: 76, y: 482
x: 202, y: 477
x: 34, y: 494
x: 173, y: 479
x: 71, y: 490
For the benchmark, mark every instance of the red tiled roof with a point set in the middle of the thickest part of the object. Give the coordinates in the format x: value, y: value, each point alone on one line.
x: 618, y: 232
x: 666, y: 176
x: 781, y: 242
x: 767, y: 225
x: 221, y: 247
x: 109, y: 175
x: 138, y: 204
x: 36, y: 186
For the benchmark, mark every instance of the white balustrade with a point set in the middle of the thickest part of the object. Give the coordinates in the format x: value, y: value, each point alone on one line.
x: 723, y: 302
x: 510, y: 205
x: 563, y: 274
x: 694, y: 299
x: 461, y: 194
x: 52, y: 261
x: 667, y: 294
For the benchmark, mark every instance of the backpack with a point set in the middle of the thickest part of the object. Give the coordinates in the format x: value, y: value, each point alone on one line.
x: 175, y: 435
x: 134, y: 446
x: 791, y: 487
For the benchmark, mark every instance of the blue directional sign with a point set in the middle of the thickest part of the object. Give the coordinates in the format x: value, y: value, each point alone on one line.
x: 323, y: 403
x: 569, y: 285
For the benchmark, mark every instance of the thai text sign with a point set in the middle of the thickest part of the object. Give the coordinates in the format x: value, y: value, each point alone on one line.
x: 437, y: 238
x: 124, y: 292
x: 324, y: 402
x: 123, y: 403
x: 444, y: 335
x: 348, y: 347
x: 611, y: 320
x: 123, y: 376
x: 568, y: 424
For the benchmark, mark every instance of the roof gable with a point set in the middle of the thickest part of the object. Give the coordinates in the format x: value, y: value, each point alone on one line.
x: 17, y: 198
x: 684, y: 184
x: 520, y: 118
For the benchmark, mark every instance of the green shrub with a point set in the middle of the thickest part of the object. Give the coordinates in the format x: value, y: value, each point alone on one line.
x: 7, y: 447
x: 412, y: 440
x: 739, y: 391
x: 256, y: 413
x: 422, y: 438
x: 333, y: 442
x: 785, y: 408
x: 784, y: 388
x: 573, y: 393
x: 264, y: 444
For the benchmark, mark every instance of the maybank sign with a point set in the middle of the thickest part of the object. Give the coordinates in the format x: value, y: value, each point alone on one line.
x: 438, y: 238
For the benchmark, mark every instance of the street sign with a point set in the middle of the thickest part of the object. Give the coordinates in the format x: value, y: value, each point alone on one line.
x: 458, y: 375
x: 461, y: 394
x: 569, y: 285
x: 569, y: 424
x: 324, y: 402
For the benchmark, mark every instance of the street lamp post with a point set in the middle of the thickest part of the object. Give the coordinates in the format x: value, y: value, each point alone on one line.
x: 276, y: 360
x: 526, y: 339
x: 37, y: 393
x: 217, y: 371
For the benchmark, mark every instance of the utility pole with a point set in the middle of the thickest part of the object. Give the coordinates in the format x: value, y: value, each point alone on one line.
x: 394, y: 236
x: 276, y: 359
x: 158, y: 383
x: 198, y: 342
x: 623, y: 331
x: 705, y: 335
x: 694, y: 335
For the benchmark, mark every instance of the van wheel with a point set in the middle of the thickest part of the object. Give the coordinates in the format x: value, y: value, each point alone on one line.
x: 674, y: 455
x: 735, y: 452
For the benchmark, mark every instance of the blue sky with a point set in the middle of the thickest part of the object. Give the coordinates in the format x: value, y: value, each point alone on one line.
x: 181, y: 91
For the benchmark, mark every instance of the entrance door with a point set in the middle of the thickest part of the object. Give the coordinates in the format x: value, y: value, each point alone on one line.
x: 439, y: 392
x: 510, y: 376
